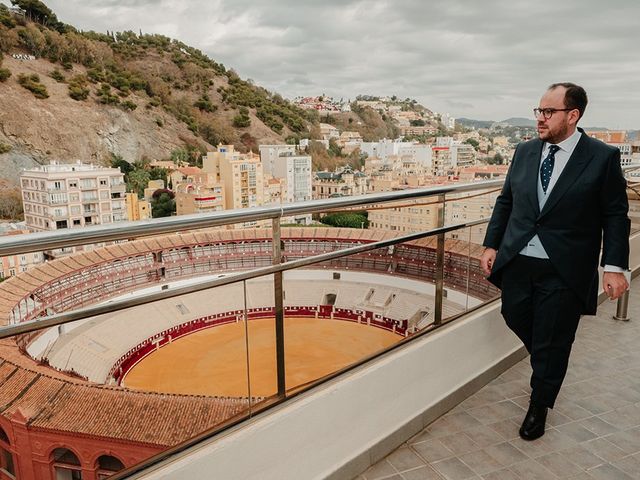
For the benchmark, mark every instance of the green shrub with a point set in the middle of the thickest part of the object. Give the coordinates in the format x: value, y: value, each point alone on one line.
x: 204, y: 103
x: 106, y: 97
x: 32, y: 83
x: 4, y: 148
x: 346, y: 219
x: 57, y: 75
x: 129, y: 105
x: 78, y: 92
x: 5, y: 73
x: 241, y: 121
x: 78, y: 89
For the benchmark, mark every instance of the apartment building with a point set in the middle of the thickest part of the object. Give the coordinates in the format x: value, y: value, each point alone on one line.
x: 462, y: 154
x: 76, y: 195
x: 343, y: 182
x: 283, y: 162
x: 328, y: 131
x: 385, y: 148
x: 629, y: 151
x: 240, y: 174
x: 12, y: 265
x: 199, y: 198
x: 137, y: 209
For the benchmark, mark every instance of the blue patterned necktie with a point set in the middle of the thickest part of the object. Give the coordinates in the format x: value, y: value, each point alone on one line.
x: 547, y: 167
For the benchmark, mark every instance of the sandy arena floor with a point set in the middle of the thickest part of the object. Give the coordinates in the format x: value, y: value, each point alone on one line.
x: 213, y: 361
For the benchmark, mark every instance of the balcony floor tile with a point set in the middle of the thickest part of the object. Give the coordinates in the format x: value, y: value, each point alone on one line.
x: 593, y: 433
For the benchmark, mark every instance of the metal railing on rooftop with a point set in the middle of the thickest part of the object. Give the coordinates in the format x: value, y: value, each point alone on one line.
x: 129, y: 230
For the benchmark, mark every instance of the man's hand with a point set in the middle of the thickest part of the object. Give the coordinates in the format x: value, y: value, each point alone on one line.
x: 615, y: 284
x: 486, y: 260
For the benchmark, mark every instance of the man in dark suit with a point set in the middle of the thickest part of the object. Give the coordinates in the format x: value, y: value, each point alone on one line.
x: 563, y: 197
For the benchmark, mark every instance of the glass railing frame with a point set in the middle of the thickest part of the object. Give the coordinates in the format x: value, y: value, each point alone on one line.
x: 128, y: 230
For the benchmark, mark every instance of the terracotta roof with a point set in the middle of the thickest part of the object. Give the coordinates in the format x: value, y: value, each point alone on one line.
x: 57, y: 403
x: 190, y: 170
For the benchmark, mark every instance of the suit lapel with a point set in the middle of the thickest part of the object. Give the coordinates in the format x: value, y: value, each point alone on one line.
x: 576, y: 164
x: 533, y: 166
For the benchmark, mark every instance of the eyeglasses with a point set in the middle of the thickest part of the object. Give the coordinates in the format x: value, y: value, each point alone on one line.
x: 548, y: 112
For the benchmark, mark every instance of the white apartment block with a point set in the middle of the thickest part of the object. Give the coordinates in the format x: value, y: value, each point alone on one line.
x: 283, y: 162
x: 59, y: 196
x: 76, y: 195
x: 385, y: 148
x: 462, y: 154
x: 626, y: 154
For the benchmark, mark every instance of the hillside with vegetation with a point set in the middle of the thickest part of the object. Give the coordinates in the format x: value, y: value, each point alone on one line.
x: 66, y: 94
x: 70, y: 95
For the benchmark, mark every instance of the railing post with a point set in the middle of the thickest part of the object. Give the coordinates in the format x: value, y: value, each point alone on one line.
x: 279, y: 307
x: 439, y: 264
x: 622, y: 307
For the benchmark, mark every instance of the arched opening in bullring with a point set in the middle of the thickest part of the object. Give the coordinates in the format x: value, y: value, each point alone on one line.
x: 66, y: 464
x: 7, y: 465
x: 107, y: 465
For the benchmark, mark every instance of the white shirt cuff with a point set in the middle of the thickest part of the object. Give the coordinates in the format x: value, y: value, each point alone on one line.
x: 613, y: 268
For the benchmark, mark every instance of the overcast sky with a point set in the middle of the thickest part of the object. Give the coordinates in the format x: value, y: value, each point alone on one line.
x: 486, y: 60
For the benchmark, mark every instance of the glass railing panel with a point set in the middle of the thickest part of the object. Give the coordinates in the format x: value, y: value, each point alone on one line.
x: 138, y: 381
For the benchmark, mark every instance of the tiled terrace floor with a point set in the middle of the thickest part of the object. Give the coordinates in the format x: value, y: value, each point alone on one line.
x: 593, y: 433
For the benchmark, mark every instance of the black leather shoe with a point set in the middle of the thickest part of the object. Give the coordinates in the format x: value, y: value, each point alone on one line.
x: 533, y: 424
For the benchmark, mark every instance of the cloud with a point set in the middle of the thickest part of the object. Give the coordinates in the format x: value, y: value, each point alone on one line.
x: 487, y: 60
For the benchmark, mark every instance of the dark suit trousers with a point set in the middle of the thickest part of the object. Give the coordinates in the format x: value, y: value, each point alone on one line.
x: 544, y: 313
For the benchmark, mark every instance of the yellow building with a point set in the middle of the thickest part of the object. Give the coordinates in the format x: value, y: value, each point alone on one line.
x: 198, y: 198
x: 137, y: 209
x: 153, y: 186
x: 241, y: 175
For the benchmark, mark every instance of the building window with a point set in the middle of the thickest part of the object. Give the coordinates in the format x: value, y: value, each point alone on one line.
x: 107, y: 465
x: 6, y: 458
x: 66, y: 465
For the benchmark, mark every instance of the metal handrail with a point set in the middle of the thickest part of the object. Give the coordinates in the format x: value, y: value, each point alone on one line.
x: 18, y: 244
x: 74, y: 315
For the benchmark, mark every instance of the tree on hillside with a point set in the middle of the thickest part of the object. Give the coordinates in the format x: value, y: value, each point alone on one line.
x: 473, y: 142
x: 118, y: 162
x: 39, y: 12
x: 137, y: 181
x: 11, y: 203
x: 163, y: 203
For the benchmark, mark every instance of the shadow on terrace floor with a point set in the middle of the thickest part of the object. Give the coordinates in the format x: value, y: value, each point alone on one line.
x: 593, y: 433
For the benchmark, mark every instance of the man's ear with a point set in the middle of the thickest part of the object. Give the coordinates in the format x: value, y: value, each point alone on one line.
x: 574, y: 116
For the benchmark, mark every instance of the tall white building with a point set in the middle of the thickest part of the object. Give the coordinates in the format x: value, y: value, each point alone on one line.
x: 385, y: 148
x: 59, y: 196
x: 76, y: 195
x: 283, y: 162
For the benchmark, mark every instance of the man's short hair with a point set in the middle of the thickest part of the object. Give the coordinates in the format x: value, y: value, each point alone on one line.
x: 574, y: 96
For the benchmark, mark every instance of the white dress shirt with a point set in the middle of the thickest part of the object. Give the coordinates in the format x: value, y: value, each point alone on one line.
x: 534, y: 247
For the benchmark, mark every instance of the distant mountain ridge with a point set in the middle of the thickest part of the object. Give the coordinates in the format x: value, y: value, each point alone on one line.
x: 513, y: 122
x: 530, y: 123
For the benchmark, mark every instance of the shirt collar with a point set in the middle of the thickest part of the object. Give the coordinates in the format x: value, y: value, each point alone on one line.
x: 568, y: 144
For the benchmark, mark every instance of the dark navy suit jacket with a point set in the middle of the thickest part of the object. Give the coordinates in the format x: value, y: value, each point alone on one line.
x: 587, y: 208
